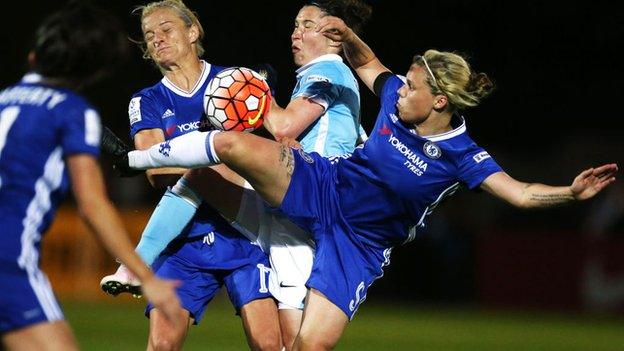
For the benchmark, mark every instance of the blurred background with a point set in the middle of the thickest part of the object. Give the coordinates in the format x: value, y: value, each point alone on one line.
x: 555, y: 112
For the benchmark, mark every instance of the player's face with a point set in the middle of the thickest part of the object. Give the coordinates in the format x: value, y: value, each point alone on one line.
x: 307, y: 44
x: 167, y: 37
x: 415, y: 98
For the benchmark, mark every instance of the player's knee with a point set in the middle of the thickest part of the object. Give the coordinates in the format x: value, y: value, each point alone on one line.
x: 224, y: 143
x: 163, y: 338
x: 305, y: 341
x: 163, y: 334
x: 231, y: 145
x: 164, y: 342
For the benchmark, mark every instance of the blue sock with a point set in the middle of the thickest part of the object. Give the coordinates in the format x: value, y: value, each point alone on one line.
x: 169, y: 218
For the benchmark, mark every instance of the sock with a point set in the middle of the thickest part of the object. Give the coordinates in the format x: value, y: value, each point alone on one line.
x: 183, y: 190
x: 192, y: 150
x: 174, y: 211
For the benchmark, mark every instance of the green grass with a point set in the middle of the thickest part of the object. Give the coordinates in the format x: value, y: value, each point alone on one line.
x: 119, y: 325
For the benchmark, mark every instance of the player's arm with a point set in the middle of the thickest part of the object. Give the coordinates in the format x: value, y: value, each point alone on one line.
x: 534, y: 195
x: 158, y: 177
x: 360, y: 56
x: 102, y: 218
x: 291, y: 121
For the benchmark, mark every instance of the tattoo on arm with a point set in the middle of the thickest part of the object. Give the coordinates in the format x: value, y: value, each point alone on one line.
x: 287, y: 159
x: 551, y: 199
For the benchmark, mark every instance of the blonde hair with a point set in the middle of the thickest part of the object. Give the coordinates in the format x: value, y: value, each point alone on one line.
x: 186, y: 15
x: 454, y: 78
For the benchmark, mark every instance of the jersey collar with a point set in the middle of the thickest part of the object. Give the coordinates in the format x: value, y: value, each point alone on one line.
x: 461, y: 128
x: 326, y: 57
x: 200, y: 82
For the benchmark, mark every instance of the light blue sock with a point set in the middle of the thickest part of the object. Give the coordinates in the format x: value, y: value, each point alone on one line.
x: 174, y: 211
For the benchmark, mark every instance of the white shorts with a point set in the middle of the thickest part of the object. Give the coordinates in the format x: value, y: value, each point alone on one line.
x: 290, y: 249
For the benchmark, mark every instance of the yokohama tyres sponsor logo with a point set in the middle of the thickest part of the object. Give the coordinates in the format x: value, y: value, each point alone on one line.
x: 187, y: 127
x: 412, y: 160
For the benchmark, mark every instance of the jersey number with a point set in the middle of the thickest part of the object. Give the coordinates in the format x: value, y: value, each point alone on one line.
x: 7, y: 118
x: 263, y: 272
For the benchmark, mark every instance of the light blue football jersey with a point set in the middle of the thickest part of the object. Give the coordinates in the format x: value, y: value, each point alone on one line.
x: 327, y: 81
x: 39, y: 127
x: 391, y: 184
x: 176, y: 112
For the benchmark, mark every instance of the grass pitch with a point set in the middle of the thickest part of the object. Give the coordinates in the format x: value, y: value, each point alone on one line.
x: 118, y: 324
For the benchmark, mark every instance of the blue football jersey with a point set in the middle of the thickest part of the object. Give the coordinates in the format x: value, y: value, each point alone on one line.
x: 396, y: 179
x: 165, y: 106
x: 39, y: 127
x: 330, y: 83
x: 176, y: 112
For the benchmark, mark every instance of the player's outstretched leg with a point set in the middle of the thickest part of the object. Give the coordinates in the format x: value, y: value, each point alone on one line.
x: 266, y: 164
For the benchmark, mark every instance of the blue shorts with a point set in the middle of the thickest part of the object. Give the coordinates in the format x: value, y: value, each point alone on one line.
x: 344, y: 267
x: 204, y: 264
x: 26, y: 298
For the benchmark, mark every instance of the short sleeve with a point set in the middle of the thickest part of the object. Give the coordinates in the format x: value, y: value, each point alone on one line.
x: 321, y: 84
x: 81, y: 131
x: 477, y: 165
x: 142, y: 114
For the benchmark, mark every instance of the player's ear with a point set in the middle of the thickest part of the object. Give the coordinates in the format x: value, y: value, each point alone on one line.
x: 440, y: 102
x: 193, y: 33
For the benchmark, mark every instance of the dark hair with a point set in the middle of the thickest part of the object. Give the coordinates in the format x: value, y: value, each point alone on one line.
x: 78, y: 44
x: 354, y: 13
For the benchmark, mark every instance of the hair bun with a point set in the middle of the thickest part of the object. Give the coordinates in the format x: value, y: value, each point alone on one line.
x: 480, y: 85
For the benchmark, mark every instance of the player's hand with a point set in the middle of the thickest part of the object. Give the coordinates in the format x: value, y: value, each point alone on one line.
x: 162, y: 294
x: 290, y: 142
x: 333, y: 28
x: 591, y: 181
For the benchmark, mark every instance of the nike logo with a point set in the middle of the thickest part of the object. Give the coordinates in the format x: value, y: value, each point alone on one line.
x: 255, y: 119
x: 282, y: 285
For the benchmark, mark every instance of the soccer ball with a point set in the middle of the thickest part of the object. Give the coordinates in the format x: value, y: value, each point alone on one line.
x: 237, y: 99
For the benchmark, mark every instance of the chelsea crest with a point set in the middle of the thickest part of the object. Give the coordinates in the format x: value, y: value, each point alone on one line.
x: 432, y: 150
